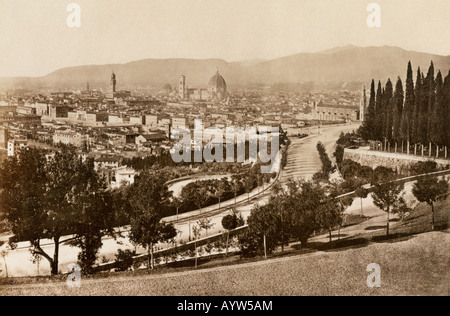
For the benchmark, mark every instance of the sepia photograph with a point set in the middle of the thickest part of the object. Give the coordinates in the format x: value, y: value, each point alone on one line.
x: 224, y: 155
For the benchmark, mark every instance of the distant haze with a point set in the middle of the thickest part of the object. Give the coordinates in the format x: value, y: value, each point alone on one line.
x: 35, y: 39
x: 344, y: 64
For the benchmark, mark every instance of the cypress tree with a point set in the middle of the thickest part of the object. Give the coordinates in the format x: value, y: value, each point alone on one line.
x: 398, y: 110
x: 408, y: 109
x: 379, y: 113
x: 446, y: 112
x: 388, y: 105
x: 367, y: 128
x: 437, y: 127
x: 372, y: 112
x: 416, y: 135
x: 428, y: 105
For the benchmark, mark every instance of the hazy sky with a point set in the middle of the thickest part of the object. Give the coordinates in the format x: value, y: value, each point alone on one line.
x: 35, y: 39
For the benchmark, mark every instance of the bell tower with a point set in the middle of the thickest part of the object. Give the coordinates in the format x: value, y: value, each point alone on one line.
x: 363, y: 105
x: 182, y: 88
x: 113, y: 82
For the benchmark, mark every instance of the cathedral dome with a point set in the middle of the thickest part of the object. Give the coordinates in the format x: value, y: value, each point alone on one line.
x: 217, y: 84
x: 167, y: 87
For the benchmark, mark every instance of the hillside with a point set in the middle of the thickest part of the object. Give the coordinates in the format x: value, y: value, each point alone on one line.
x: 416, y: 266
x: 347, y: 64
x: 342, y: 64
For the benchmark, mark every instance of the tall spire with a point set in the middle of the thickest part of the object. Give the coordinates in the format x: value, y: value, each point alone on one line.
x: 113, y: 81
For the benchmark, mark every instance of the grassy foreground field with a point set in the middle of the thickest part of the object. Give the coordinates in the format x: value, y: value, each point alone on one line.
x: 418, y: 265
x: 414, y: 261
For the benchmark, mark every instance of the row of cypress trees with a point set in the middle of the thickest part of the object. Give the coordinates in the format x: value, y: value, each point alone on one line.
x: 416, y: 116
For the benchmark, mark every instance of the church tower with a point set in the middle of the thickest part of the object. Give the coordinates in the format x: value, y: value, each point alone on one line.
x: 182, y: 88
x: 363, y: 105
x: 113, y: 82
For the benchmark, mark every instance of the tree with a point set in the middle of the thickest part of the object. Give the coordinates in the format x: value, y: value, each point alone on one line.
x: 205, y: 223
x: 231, y: 222
x: 327, y: 165
x: 387, y: 192
x: 276, y: 199
x: 221, y: 189
x: 423, y: 167
x: 177, y: 203
x: 249, y: 184
x: 362, y: 193
x: 4, y: 250
x: 416, y: 115
x: 196, y: 229
x: 388, y: 111
x: 430, y: 189
x: 53, y: 197
x: 147, y: 229
x: 302, y: 204
x: 416, y: 134
x: 150, y: 189
x: 381, y: 174
x: 339, y: 155
x: 408, y: 109
x: 97, y: 217
x: 201, y: 197
x: 368, y: 127
x: 437, y: 128
x: 446, y: 113
x: 124, y: 259
x: 22, y: 186
x: 380, y: 112
x: 149, y: 198
x: 96, y: 220
x: 429, y: 103
x: 398, y: 112
x: 341, y: 203
x: 365, y: 174
x: 236, y: 179
x: 329, y: 215
x: 350, y: 169
x: 263, y: 235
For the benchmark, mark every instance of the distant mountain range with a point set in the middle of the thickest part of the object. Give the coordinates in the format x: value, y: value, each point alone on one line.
x: 342, y: 64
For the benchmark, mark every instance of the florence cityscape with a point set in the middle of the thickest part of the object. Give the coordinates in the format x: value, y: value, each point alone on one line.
x: 224, y: 148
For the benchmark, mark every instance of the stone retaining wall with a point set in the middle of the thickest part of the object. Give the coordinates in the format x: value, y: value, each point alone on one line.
x: 399, y: 162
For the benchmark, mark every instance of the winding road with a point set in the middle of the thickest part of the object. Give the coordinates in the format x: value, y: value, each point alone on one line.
x: 303, y: 162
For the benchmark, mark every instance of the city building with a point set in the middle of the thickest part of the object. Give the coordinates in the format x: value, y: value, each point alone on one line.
x: 122, y: 176
x: 59, y: 111
x: 42, y: 109
x: 136, y: 120
x: 115, y: 119
x: 114, y: 94
x: 179, y: 123
x: 15, y: 145
x: 27, y: 119
x: 182, y: 87
x: 216, y: 89
x: 325, y: 112
x: 151, y: 121
x: 25, y: 110
x: 7, y: 110
x: 113, y: 82
x: 167, y: 89
x: 3, y: 138
x: 105, y: 162
x: 69, y: 137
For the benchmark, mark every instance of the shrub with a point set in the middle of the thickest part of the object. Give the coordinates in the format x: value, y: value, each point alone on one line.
x: 124, y: 259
